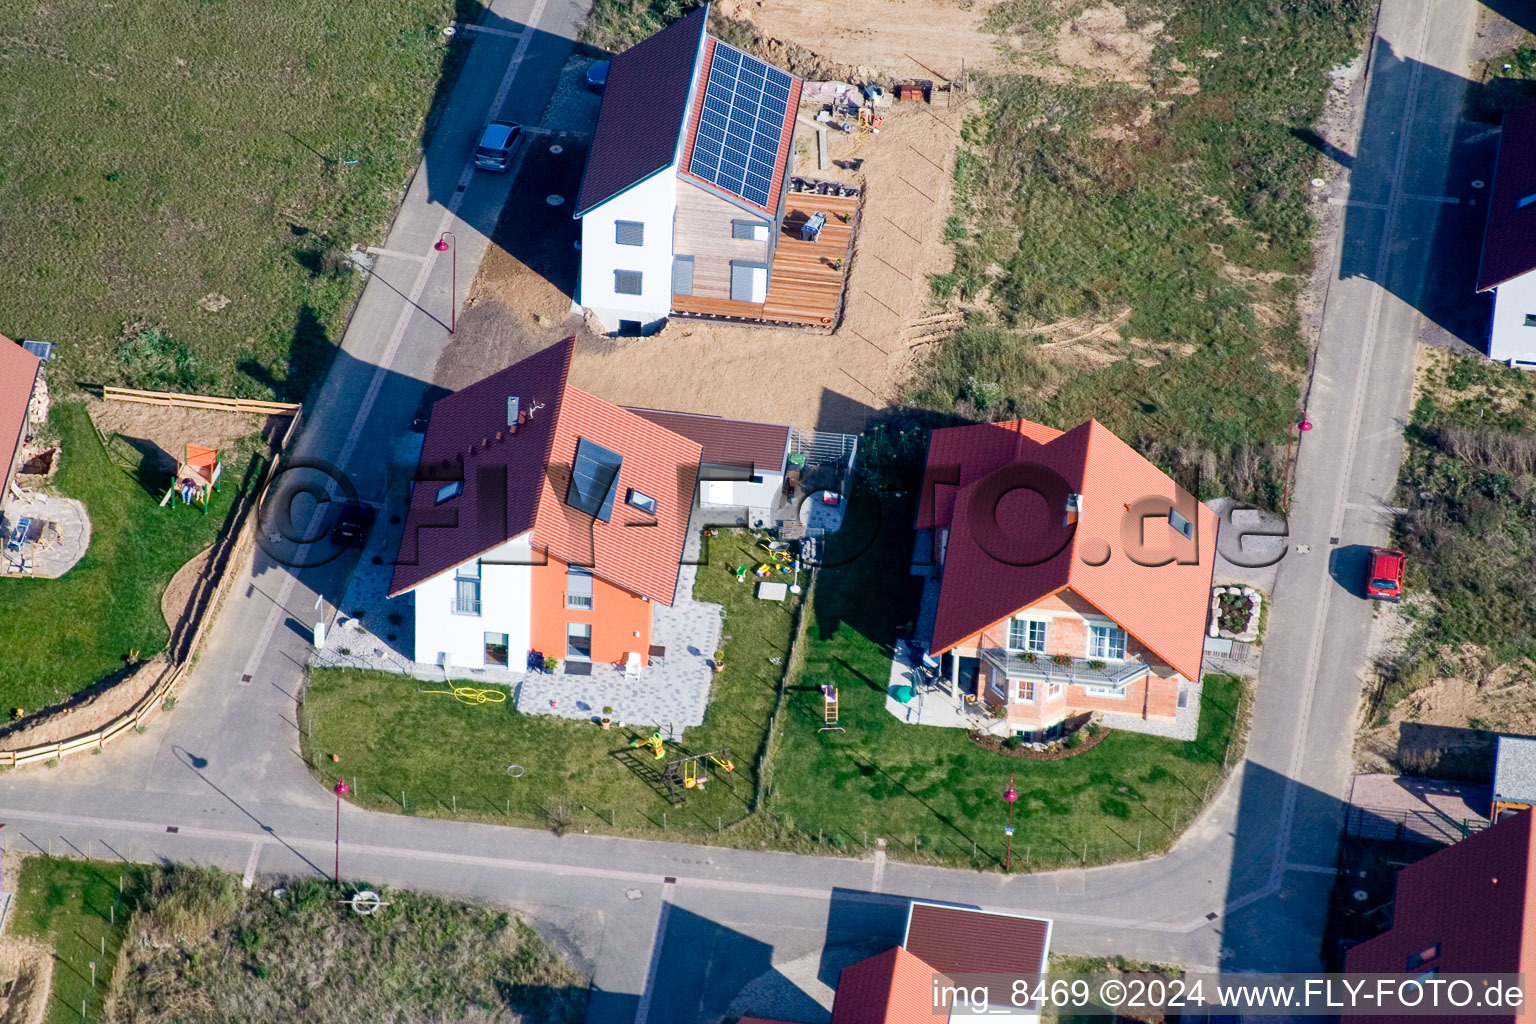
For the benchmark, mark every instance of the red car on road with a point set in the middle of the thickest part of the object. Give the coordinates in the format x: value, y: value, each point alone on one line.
x: 1385, y: 582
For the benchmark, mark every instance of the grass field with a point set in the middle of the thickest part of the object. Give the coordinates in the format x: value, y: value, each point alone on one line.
x: 1183, y: 209
x: 189, y: 944
x: 930, y: 791
x: 165, y: 156
x: 82, y: 626
x: 429, y: 754
x: 75, y: 907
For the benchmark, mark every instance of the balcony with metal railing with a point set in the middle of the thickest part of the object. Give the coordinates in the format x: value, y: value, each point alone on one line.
x: 1049, y: 668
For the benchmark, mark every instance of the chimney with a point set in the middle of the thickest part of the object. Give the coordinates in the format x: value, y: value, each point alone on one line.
x: 1074, y: 509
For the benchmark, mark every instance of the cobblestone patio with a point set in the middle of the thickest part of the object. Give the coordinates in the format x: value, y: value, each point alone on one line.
x: 61, y: 534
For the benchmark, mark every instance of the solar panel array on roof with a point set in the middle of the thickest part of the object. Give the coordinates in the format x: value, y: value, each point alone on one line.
x: 737, y: 145
x: 42, y: 349
x: 593, y: 476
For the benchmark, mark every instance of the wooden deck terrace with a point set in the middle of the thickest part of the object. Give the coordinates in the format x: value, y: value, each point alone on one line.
x: 806, y: 287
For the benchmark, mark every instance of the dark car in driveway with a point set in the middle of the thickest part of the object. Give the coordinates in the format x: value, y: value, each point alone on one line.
x: 597, y: 76
x: 352, y: 524
x: 1384, y: 582
x: 498, y: 144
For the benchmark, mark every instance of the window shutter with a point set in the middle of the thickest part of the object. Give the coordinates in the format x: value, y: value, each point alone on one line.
x: 626, y: 282
x: 629, y: 232
x: 682, y: 275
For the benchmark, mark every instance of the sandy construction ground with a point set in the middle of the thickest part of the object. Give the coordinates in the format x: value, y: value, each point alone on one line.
x: 168, y: 429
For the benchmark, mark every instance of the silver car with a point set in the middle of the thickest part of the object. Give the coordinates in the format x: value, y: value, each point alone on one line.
x: 498, y: 144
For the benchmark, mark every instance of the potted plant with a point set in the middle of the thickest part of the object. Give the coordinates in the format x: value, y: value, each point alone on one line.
x: 607, y: 720
x: 1029, y: 657
x: 1061, y: 659
x: 551, y: 663
x: 719, y: 661
x: 1096, y: 665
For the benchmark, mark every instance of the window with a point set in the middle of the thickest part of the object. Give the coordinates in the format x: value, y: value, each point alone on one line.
x: 594, y: 479
x: 751, y: 230
x: 644, y: 502
x: 1026, y: 635
x: 1423, y: 956
x: 1183, y: 525
x: 1530, y: 319
x: 682, y: 275
x: 1026, y: 691
x: 1106, y: 642
x: 451, y: 490
x: 999, y: 684
x: 629, y: 328
x: 578, y: 588
x: 578, y: 640
x: 628, y: 232
x: 1108, y: 692
x: 496, y: 649
x: 626, y: 282
x: 466, y: 585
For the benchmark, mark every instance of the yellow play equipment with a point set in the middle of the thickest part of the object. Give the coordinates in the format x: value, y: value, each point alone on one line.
x: 723, y: 763
x: 197, y: 476
x: 654, y: 742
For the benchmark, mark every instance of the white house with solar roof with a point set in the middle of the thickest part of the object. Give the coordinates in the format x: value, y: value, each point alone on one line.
x: 683, y: 195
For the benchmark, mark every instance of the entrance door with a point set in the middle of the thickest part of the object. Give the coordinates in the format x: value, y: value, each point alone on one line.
x: 578, y: 641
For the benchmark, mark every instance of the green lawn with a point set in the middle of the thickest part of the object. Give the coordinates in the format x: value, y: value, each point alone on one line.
x: 1188, y: 207
x: 439, y: 757
x: 75, y: 907
x: 931, y: 792
x: 163, y: 152
x: 80, y: 627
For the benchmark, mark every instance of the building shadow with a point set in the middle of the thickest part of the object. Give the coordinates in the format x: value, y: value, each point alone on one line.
x: 1424, y: 184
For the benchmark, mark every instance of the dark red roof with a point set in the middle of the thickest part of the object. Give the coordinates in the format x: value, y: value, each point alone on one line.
x: 728, y: 442
x: 957, y: 940
x: 18, y: 376
x: 996, y: 562
x: 645, y: 102
x: 515, y: 481
x: 1474, y: 899
x: 1509, y: 242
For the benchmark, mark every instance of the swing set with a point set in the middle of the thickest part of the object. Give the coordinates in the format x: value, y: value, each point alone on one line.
x: 197, y: 477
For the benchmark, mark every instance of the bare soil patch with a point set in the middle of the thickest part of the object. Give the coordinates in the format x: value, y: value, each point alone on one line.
x: 880, y: 38
x: 162, y: 431
x: 88, y: 710
x: 26, y: 979
x: 1101, y: 42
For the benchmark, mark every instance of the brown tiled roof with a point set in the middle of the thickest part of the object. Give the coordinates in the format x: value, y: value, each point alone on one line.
x: 1509, y: 242
x: 515, y: 481
x: 1474, y: 899
x: 645, y: 102
x: 894, y: 987
x: 993, y: 571
x: 727, y: 442
x: 786, y: 137
x: 958, y: 940
x: 18, y: 376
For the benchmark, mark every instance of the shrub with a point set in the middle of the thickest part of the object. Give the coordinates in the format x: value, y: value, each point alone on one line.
x: 186, y: 905
x: 154, y: 361
x: 1075, y: 740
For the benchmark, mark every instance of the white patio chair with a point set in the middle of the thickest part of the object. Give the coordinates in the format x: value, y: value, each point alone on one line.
x: 632, y: 665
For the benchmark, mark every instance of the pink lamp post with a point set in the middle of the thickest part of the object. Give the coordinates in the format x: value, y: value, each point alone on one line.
x: 1010, y: 796
x: 342, y: 789
x: 442, y: 245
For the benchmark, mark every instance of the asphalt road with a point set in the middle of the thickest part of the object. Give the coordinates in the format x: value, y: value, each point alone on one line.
x: 220, y: 780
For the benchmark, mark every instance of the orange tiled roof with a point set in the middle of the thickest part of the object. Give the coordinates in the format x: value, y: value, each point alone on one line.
x: 894, y: 987
x: 991, y: 572
x: 18, y: 375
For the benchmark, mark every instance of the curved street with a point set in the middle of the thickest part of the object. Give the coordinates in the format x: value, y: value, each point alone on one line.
x: 220, y: 780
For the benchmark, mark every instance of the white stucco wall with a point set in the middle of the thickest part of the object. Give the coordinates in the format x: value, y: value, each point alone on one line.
x: 1509, y: 338
x: 506, y: 600
x: 653, y: 203
x: 743, y: 493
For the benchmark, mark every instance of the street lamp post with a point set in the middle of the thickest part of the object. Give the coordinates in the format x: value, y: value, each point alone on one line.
x: 1010, y: 796
x: 342, y: 789
x: 442, y: 245
x: 1285, y: 498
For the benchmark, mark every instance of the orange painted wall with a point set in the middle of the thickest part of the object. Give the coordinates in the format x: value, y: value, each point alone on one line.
x: 616, y: 617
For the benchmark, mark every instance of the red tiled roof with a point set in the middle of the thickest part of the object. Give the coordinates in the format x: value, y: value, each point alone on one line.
x: 960, y: 940
x: 786, y: 137
x: 18, y: 376
x: 727, y: 442
x: 644, y: 104
x: 1475, y: 899
x: 1509, y: 242
x: 992, y: 572
x: 894, y: 987
x: 517, y: 482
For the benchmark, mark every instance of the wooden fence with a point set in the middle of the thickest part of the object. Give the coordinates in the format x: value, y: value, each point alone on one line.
x: 170, y: 679
x: 210, y: 402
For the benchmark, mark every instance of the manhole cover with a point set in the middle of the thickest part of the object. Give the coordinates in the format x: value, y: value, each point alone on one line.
x: 555, y: 200
x: 633, y: 894
x: 557, y: 149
